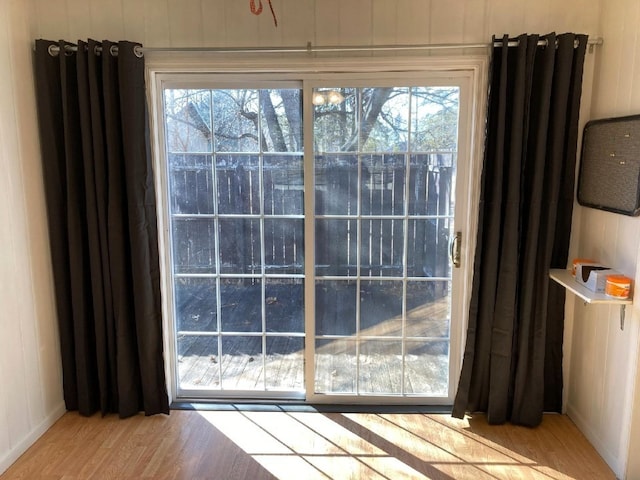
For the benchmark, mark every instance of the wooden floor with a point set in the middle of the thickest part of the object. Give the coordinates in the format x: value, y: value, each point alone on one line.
x: 301, y: 443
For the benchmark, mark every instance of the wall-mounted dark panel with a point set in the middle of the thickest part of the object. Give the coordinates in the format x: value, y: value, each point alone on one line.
x: 609, y: 175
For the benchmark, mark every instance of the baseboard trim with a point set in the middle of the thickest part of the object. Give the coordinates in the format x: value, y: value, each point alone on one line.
x: 23, y: 445
x: 615, y: 463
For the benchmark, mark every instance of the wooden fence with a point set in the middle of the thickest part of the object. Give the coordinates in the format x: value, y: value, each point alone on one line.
x: 382, y: 222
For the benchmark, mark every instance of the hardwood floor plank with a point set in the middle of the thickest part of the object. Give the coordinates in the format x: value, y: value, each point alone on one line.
x: 241, y: 443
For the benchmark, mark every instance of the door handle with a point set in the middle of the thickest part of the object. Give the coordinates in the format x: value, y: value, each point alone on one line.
x: 454, y: 249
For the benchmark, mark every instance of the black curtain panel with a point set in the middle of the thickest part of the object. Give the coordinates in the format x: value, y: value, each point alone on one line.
x: 512, y: 366
x: 102, y: 225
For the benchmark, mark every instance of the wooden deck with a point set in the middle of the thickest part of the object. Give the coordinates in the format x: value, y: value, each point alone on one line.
x: 243, y: 367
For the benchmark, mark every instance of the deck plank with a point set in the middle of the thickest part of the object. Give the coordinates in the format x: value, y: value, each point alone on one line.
x: 241, y: 366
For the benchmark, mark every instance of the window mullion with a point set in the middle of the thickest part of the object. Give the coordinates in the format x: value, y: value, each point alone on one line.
x: 358, y: 236
x: 309, y: 241
x: 216, y: 226
x: 263, y: 307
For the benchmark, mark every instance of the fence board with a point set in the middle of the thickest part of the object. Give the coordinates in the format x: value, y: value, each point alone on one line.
x: 382, y: 191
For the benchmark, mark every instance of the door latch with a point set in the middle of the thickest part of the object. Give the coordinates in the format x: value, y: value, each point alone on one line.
x: 454, y: 249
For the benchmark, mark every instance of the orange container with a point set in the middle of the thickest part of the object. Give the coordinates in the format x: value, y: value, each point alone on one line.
x: 576, y: 261
x: 618, y: 286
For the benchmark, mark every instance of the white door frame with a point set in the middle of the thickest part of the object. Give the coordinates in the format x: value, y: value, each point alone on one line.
x: 193, y: 68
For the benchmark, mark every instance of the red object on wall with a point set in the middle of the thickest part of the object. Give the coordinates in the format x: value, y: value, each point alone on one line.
x: 258, y: 10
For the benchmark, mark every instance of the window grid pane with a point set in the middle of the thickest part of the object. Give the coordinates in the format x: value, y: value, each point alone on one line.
x: 385, y: 162
x: 236, y: 211
x: 384, y: 213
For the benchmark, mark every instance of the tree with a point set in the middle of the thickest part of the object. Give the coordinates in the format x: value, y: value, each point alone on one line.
x: 245, y: 119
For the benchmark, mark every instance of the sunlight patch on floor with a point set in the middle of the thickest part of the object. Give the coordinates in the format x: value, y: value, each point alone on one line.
x: 295, y: 445
x: 310, y: 445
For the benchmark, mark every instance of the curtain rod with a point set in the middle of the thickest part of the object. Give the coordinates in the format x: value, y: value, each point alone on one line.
x: 139, y: 51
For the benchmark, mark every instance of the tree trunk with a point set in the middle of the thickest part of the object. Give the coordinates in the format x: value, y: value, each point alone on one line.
x: 275, y: 132
x: 370, y: 112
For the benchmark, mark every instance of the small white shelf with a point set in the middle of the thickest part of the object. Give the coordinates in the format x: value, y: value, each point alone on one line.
x: 564, y: 278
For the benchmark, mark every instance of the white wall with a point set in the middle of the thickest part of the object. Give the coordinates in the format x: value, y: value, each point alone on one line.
x: 604, y: 359
x: 30, y: 372
x: 159, y: 23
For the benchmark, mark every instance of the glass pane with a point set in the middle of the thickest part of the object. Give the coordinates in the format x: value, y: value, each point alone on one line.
x: 191, y: 184
x: 241, y: 304
x: 234, y: 153
x: 384, y: 119
x: 434, y: 118
x: 240, y: 245
x: 188, y: 120
x: 335, y: 307
x: 428, y: 247
x: 335, y: 122
x: 196, y: 306
x: 284, y: 305
x: 237, y: 211
x: 283, y: 185
x: 283, y: 246
x: 381, y: 308
x: 285, y: 363
x: 380, y: 367
x: 335, y: 366
x: 242, y: 366
x: 430, y: 184
x: 336, y: 247
x: 336, y: 185
x: 235, y: 120
x: 383, y: 184
x: 238, y: 180
x: 427, y: 367
x: 381, y: 248
x: 281, y: 115
x: 428, y: 309
x: 193, y: 245
x: 198, y: 361
x: 400, y: 161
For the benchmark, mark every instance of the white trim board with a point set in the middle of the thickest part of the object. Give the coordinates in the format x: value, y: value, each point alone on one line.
x: 23, y: 445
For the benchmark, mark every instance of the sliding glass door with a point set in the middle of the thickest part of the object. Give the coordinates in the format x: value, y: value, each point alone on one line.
x: 385, y: 167
x: 309, y: 226
x: 235, y: 171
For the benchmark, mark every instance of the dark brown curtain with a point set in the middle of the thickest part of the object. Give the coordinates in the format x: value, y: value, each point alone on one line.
x: 102, y: 223
x: 512, y: 366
